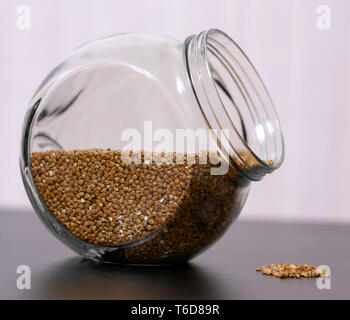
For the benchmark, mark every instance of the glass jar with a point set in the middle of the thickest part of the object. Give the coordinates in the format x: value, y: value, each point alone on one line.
x: 140, y: 149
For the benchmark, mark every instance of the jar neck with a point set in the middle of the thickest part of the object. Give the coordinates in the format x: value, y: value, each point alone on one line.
x: 234, y: 101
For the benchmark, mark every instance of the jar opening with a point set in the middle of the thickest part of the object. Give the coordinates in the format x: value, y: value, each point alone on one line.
x: 233, y: 99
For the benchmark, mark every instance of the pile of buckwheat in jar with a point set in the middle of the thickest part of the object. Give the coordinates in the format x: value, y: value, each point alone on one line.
x: 178, y: 207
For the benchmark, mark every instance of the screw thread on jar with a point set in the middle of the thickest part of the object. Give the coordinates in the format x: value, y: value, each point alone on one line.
x: 232, y: 97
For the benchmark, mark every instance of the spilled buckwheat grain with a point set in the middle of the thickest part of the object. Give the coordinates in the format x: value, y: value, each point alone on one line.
x: 174, y: 209
x: 286, y: 270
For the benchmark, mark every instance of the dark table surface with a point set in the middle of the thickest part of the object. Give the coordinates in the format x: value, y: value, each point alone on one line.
x: 225, y: 271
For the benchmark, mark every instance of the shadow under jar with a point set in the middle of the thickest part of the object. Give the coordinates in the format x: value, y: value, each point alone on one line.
x: 109, y: 154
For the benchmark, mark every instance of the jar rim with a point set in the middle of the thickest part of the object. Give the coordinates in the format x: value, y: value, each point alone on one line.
x: 212, y: 55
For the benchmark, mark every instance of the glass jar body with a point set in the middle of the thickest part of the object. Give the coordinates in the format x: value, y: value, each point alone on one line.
x: 129, y: 87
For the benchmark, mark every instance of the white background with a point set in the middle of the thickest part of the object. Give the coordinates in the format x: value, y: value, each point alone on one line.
x: 306, y: 70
